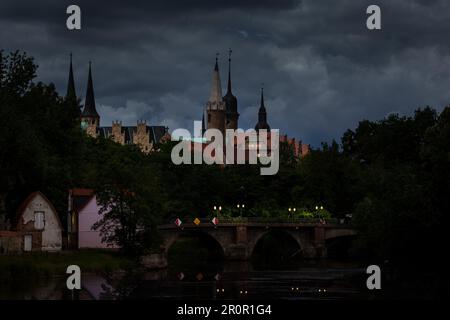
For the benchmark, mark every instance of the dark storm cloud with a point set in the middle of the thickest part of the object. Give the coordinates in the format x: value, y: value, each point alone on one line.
x: 323, y: 70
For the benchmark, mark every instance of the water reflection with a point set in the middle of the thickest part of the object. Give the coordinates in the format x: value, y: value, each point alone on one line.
x: 242, y: 280
x: 303, y: 280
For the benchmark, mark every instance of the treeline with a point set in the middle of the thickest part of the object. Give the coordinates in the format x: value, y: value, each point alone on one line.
x: 393, y: 175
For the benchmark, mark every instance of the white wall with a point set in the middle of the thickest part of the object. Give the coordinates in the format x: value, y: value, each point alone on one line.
x: 52, y: 232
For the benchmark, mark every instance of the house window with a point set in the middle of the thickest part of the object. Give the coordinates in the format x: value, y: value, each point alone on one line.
x: 39, y: 220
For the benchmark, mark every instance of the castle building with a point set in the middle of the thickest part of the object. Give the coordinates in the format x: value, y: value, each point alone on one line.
x: 143, y: 135
x: 222, y: 112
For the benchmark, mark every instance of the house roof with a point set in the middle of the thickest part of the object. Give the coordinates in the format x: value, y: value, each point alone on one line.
x: 81, y: 192
x: 81, y: 197
x: 27, y: 201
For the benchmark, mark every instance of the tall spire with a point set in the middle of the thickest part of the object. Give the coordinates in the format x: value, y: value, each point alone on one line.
x: 89, y: 104
x: 216, y: 67
x: 231, y: 100
x: 229, y: 71
x: 71, y: 94
x: 262, y: 107
x: 215, y: 99
x: 215, y: 107
x: 262, y: 114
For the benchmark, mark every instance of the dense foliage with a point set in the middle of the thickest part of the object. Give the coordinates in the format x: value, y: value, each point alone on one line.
x: 393, y: 175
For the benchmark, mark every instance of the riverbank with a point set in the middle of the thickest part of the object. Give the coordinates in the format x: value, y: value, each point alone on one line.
x: 45, y: 264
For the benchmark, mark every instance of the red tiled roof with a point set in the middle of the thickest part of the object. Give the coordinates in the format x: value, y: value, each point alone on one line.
x: 81, y: 192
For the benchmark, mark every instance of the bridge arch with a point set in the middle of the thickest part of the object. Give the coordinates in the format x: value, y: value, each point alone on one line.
x: 206, y: 239
x: 341, y: 232
x: 281, y: 234
x: 339, y: 242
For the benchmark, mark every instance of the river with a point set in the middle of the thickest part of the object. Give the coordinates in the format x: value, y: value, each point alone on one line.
x: 309, y: 279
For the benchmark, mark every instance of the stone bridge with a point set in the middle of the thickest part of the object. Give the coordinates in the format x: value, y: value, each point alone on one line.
x: 238, y: 238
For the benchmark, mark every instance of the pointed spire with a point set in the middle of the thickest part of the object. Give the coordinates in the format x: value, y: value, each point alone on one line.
x: 89, y: 104
x: 230, y: 100
x: 262, y: 114
x: 216, y: 67
x: 229, y: 71
x: 262, y: 107
x: 216, y: 89
x: 71, y: 94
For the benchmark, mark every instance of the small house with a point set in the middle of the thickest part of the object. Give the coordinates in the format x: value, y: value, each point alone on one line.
x: 38, y: 224
x: 84, y: 212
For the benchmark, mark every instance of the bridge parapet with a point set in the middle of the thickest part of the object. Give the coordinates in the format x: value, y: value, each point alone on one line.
x: 258, y: 222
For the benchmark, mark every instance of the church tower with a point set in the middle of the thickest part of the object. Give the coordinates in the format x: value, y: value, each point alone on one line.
x: 90, y: 119
x: 71, y: 100
x: 230, y: 101
x: 215, y: 107
x: 262, y: 115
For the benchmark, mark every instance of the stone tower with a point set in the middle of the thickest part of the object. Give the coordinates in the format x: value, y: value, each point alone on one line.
x: 215, y: 107
x: 230, y: 101
x: 141, y: 137
x: 90, y: 119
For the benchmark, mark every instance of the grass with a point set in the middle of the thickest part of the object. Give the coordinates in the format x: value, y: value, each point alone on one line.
x: 44, y: 264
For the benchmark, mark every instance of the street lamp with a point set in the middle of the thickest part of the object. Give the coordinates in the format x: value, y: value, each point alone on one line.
x: 291, y: 211
x: 240, y: 207
x: 217, y: 209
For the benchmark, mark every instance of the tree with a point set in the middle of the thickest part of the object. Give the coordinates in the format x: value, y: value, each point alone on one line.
x: 328, y: 178
x: 128, y: 191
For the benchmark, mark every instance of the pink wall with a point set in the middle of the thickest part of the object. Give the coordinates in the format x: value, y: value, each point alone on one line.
x: 87, y: 217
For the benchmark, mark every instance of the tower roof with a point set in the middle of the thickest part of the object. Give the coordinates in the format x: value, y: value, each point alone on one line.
x: 71, y: 94
x: 262, y: 115
x: 216, y: 88
x: 262, y: 107
x: 229, y: 98
x: 229, y: 73
x: 89, y: 104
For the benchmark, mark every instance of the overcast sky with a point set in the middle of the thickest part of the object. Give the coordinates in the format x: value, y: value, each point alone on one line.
x: 323, y: 71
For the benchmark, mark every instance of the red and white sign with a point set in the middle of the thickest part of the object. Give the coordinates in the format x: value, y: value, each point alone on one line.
x: 215, y: 221
x: 178, y: 222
